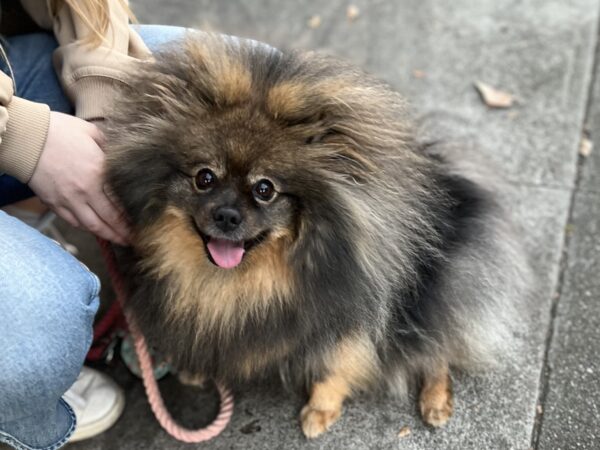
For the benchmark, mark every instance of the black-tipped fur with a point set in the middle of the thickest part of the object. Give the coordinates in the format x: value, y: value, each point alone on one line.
x: 382, y: 239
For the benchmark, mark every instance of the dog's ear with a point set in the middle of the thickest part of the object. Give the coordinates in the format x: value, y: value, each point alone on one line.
x: 350, y: 121
x: 215, y: 68
x: 340, y: 129
x: 154, y: 91
x: 190, y: 75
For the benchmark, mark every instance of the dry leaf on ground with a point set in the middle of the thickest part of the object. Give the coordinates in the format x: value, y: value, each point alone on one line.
x: 404, y: 431
x: 419, y: 74
x: 585, y: 147
x: 352, y: 12
x: 314, y: 22
x: 493, y: 97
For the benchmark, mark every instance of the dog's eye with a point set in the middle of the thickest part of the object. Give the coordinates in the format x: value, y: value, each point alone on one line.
x: 264, y: 190
x: 205, y: 179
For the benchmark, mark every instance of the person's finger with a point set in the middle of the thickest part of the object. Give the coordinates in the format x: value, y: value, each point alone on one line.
x: 95, y: 132
x: 89, y: 220
x: 113, y: 199
x: 111, y: 215
x: 66, y: 215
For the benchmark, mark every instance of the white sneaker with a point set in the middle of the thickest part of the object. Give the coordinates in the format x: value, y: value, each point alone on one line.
x: 97, y: 401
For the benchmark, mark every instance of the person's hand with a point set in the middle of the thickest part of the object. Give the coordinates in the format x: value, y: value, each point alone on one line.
x: 69, y: 178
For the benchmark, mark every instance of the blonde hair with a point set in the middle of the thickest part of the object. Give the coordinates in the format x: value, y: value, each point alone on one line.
x: 94, y: 13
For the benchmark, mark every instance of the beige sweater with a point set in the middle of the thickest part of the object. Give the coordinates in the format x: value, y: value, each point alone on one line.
x: 88, y: 76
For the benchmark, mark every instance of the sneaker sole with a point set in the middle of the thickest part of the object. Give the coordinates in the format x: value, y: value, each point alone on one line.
x: 95, y: 428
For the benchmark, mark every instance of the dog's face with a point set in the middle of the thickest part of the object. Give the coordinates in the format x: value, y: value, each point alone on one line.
x: 233, y: 181
x: 248, y: 156
x: 235, y: 211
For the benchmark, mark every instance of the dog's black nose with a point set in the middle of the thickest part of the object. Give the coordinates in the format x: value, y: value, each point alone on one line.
x: 227, y: 218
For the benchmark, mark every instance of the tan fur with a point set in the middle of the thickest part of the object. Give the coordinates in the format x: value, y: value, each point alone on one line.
x: 435, y: 401
x: 257, y: 362
x: 287, y: 99
x: 230, y: 80
x: 191, y: 379
x: 236, y: 85
x: 291, y: 98
x: 221, y: 299
x: 353, y: 366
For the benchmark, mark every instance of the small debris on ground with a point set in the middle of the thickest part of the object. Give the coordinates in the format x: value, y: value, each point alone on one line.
x: 585, y: 147
x: 419, y: 74
x: 539, y: 409
x: 569, y: 228
x: 314, y: 22
x: 251, y: 427
x: 404, y: 431
x: 493, y: 97
x: 352, y: 12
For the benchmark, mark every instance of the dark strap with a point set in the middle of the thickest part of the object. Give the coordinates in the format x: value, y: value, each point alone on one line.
x: 14, y: 19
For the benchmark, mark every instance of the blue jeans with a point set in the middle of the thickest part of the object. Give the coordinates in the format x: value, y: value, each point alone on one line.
x: 47, y: 298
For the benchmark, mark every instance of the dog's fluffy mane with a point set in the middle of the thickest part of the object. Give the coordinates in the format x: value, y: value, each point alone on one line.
x: 400, y: 259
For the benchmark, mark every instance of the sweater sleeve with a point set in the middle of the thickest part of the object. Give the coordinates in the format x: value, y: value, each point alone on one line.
x: 23, y: 131
x: 89, y: 75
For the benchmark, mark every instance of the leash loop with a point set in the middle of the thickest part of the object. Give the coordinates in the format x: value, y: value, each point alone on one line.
x: 145, y: 360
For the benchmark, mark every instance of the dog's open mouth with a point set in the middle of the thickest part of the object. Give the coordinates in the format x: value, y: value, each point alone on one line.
x: 226, y: 253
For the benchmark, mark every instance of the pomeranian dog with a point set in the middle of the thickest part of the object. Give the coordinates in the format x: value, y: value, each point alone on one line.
x: 287, y: 220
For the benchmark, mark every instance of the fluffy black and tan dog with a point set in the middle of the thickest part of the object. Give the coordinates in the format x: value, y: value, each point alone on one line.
x: 287, y: 220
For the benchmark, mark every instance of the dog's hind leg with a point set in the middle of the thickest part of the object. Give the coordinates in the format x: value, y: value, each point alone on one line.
x: 435, y: 400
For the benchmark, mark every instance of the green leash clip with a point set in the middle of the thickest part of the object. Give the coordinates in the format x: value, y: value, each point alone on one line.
x: 160, y: 369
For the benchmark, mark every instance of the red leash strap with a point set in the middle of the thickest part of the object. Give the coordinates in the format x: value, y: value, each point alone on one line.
x: 104, y: 330
x: 108, y: 322
x: 152, y: 392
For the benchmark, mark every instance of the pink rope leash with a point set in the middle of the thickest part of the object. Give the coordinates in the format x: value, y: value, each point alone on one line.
x: 152, y: 392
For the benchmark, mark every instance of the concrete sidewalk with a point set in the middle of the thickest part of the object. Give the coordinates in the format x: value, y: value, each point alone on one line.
x: 544, y: 52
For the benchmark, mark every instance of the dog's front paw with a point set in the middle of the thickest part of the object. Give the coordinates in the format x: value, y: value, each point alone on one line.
x: 435, y: 400
x: 436, y: 410
x: 316, y: 422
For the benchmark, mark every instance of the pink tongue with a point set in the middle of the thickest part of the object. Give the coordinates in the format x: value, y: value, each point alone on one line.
x: 227, y: 254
